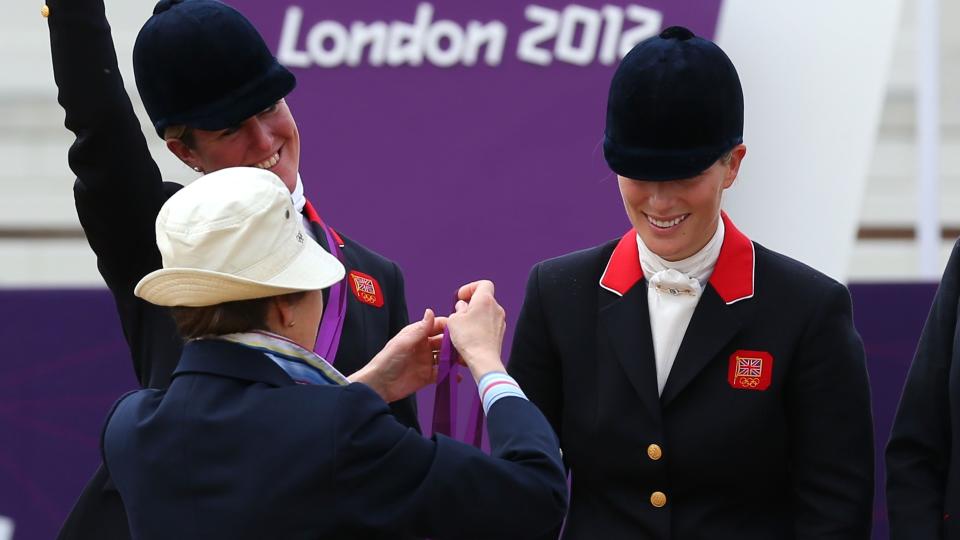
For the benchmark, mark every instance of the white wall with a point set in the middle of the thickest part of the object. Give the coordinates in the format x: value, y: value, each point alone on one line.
x: 814, y: 83
x: 35, y: 181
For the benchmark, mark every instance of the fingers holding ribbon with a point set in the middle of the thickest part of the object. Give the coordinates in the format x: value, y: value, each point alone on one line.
x: 468, y: 291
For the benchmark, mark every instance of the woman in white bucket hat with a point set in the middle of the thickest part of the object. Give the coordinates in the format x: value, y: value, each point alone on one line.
x: 258, y: 437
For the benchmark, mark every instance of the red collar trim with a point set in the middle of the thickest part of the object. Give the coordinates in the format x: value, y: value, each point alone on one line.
x: 623, y: 269
x: 732, y: 278
x: 313, y: 216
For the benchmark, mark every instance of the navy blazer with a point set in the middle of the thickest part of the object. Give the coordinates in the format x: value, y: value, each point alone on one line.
x: 763, y: 430
x: 119, y: 192
x: 235, y: 449
x: 923, y: 467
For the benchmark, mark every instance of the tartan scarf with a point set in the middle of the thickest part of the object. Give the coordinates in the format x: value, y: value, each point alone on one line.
x: 303, y: 366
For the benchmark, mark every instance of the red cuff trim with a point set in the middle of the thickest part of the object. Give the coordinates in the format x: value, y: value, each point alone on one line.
x: 483, y: 396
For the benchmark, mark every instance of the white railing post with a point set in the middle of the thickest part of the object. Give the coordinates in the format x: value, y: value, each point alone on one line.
x: 928, y: 137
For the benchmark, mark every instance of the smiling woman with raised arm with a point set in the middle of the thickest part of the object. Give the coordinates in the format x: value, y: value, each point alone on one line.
x: 258, y: 437
x: 703, y: 386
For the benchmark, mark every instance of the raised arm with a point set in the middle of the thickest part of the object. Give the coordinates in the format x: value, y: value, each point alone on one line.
x: 118, y: 190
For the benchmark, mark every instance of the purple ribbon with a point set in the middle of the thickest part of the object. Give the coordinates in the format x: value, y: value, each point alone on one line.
x: 331, y: 325
x: 445, y: 398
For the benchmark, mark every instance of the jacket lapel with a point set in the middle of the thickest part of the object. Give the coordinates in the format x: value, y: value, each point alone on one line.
x: 317, y: 231
x: 316, y: 225
x: 626, y: 319
x: 714, y: 325
x: 715, y: 321
x: 627, y: 323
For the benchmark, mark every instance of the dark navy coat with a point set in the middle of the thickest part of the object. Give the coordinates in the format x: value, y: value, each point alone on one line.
x: 763, y: 430
x: 923, y: 455
x: 118, y: 194
x: 234, y: 449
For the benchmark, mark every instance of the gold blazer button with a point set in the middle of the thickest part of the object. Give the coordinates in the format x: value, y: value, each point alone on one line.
x: 658, y: 499
x: 654, y: 452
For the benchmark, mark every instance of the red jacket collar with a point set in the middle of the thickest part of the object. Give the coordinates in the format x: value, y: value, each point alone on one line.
x: 313, y: 216
x: 732, y: 277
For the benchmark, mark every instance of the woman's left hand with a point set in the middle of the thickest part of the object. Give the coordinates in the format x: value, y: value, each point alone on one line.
x: 406, y: 363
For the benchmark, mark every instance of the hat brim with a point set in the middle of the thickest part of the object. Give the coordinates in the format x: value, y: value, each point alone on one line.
x: 240, y: 104
x: 660, y: 165
x: 312, y: 269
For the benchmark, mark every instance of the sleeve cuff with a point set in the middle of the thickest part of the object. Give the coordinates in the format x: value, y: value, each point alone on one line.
x: 497, y: 385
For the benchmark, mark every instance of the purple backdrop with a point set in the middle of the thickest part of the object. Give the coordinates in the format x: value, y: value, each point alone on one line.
x: 464, y: 172
x: 67, y: 365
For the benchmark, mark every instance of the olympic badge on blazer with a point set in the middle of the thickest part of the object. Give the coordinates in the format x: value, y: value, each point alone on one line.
x: 750, y: 370
x: 366, y: 288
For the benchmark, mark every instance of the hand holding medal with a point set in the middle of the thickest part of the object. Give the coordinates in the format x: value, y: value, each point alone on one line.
x: 474, y: 338
x: 476, y: 328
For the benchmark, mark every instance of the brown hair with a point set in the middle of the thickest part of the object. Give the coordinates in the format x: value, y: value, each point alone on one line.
x: 225, y: 318
x: 183, y: 133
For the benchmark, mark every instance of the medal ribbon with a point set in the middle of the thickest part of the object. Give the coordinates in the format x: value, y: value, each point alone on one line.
x: 331, y: 325
x: 445, y: 398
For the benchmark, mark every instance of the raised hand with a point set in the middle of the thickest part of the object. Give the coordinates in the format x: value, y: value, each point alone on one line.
x: 406, y: 363
x: 476, y: 328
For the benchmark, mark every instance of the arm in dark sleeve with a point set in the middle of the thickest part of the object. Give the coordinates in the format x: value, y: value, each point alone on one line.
x: 534, y: 361
x: 918, y: 454
x: 399, y: 318
x: 109, y: 156
x: 389, y: 478
x: 118, y: 191
x: 831, y: 427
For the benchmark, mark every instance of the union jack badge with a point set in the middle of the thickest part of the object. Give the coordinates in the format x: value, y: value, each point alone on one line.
x: 750, y: 370
x: 365, y: 288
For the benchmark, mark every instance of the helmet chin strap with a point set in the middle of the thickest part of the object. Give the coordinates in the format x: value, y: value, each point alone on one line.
x: 298, y: 199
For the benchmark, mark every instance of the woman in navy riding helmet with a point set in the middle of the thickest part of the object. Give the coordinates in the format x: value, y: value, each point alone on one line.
x: 703, y: 386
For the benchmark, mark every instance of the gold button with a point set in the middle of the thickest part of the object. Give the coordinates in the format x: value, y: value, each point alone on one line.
x: 45, y: 11
x: 658, y: 499
x: 654, y: 452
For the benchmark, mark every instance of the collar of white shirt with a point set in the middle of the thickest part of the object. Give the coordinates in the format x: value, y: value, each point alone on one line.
x: 299, y: 200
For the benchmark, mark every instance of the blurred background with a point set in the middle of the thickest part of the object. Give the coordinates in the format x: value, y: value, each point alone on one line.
x: 852, y: 126
x: 41, y: 243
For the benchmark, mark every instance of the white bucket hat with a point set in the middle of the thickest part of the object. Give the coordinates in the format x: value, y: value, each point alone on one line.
x: 234, y: 235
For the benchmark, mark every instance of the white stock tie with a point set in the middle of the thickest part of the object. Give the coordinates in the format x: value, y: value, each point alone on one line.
x: 673, y: 297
